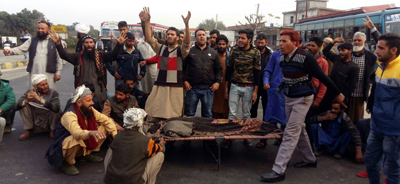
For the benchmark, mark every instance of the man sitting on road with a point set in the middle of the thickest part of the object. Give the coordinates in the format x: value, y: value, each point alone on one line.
x: 133, y: 157
x: 140, y: 96
x: 7, y: 100
x: 115, y: 106
x: 39, y: 108
x: 82, y: 130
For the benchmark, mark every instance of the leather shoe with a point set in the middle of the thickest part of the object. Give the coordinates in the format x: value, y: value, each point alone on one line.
x: 272, y: 176
x: 25, y: 135
x: 92, y: 158
x: 302, y: 164
x: 7, y: 129
x: 69, y: 169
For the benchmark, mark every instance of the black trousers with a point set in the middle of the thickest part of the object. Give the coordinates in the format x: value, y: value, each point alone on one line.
x: 264, y: 99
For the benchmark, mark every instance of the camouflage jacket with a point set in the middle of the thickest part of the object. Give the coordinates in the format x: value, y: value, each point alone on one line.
x: 244, y: 66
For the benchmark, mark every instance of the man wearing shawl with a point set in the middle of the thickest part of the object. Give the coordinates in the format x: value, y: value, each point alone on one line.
x: 39, y: 108
x: 89, y: 64
x: 133, y: 157
x: 84, y: 130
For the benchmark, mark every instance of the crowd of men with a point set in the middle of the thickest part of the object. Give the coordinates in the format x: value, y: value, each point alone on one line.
x: 316, y: 96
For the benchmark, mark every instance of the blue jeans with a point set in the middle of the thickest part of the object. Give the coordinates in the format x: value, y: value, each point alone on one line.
x: 389, y: 146
x: 236, y: 94
x: 192, y: 98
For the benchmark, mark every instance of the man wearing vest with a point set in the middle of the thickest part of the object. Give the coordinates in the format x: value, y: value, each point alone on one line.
x: 166, y: 98
x: 115, y: 106
x: 297, y: 67
x: 43, y: 57
x: 39, y: 108
x: 89, y: 64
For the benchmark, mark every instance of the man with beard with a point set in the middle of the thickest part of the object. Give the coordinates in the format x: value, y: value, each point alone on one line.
x: 213, y: 38
x: 166, y: 97
x: 220, y: 108
x: 365, y: 60
x: 202, y: 74
x: 89, y: 64
x: 43, y: 57
x: 243, y: 72
x: 82, y: 30
x: 127, y: 62
x: 181, y: 37
x: 383, y: 139
x: 297, y: 68
x: 335, y: 133
x: 39, y: 108
x: 116, y: 105
x: 344, y: 72
x: 81, y: 131
x: 266, y: 52
x: 141, y: 97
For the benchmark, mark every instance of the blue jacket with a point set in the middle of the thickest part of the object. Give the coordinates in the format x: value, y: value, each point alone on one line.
x: 128, y: 64
x: 386, y: 113
x: 273, y: 71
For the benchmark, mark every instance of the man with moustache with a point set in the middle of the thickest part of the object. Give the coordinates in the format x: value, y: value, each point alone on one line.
x: 344, y: 72
x: 81, y: 131
x: 39, y: 108
x: 202, y: 75
x: 166, y: 97
x: 43, y: 57
x: 297, y: 67
x: 266, y: 52
x: 181, y: 37
x: 141, y: 97
x: 220, y: 108
x: 89, y: 64
x: 243, y: 72
x: 213, y: 38
x: 365, y: 60
x: 82, y: 30
x: 115, y: 106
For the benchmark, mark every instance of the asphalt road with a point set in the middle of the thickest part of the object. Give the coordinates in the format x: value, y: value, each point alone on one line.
x: 24, y: 162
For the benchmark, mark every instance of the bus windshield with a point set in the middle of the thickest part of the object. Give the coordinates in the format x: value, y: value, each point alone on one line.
x: 392, y: 23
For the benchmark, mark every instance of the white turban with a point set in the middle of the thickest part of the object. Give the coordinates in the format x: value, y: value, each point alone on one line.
x: 82, y: 28
x: 80, y: 92
x: 37, y: 78
x: 133, y: 117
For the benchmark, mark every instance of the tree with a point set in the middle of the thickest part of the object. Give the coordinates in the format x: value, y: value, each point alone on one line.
x: 254, y: 20
x: 209, y: 24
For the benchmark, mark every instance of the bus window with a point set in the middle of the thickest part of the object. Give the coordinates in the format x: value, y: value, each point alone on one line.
x: 338, y: 33
x: 348, y: 34
x: 392, y: 23
x: 328, y: 33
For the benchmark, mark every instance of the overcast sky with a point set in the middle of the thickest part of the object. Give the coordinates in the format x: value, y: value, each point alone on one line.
x: 94, y: 12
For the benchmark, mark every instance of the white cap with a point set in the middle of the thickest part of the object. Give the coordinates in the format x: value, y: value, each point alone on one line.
x: 82, y: 28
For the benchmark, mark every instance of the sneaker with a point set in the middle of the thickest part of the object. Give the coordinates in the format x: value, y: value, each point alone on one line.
x: 25, y: 135
x: 247, y: 142
x: 7, y: 129
x: 338, y: 155
x: 92, y: 158
x: 363, y: 174
x: 69, y: 169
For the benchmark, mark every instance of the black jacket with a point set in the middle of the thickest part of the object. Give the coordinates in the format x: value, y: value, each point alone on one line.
x: 264, y: 61
x: 369, y: 71
x: 201, y: 68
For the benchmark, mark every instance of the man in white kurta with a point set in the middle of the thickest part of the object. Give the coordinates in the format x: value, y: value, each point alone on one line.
x: 151, y: 69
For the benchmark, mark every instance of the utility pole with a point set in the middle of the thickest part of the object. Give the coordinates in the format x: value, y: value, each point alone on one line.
x: 295, y: 20
x: 216, y: 21
x: 306, y: 8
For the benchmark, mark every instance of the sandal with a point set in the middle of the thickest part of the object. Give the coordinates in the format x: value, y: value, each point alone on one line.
x: 261, y: 144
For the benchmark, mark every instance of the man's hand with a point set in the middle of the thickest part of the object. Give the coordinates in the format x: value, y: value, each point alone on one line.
x: 338, y: 40
x: 117, y: 76
x: 340, y: 99
x: 315, y: 104
x: 266, y: 86
x: 162, y: 141
x: 6, y: 52
x: 119, y: 128
x: 188, y: 87
x: 142, y: 63
x: 254, y: 97
x: 139, y: 77
x: 144, y: 15
x: 121, y: 39
x: 187, y: 18
x: 97, y: 134
x: 214, y: 87
x: 57, y: 77
x: 53, y: 36
x: 359, y: 156
x: 329, y: 116
x: 368, y: 23
x: 33, y: 95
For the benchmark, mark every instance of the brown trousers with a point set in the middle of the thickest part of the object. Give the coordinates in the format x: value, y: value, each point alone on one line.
x: 356, y: 108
